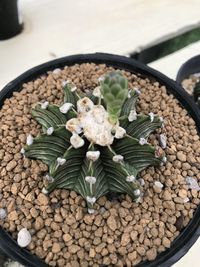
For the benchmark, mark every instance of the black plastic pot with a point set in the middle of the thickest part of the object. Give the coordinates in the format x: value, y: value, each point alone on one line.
x: 191, y: 66
x: 9, y: 19
x: 189, y: 235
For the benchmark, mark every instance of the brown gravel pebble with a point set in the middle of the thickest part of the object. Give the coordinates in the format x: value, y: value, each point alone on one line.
x: 121, y: 232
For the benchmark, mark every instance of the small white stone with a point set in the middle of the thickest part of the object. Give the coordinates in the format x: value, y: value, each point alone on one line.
x: 119, y: 132
x: 50, y: 130
x: 91, y: 179
x: 130, y: 178
x: 44, y: 105
x: 118, y: 158
x: 151, y: 115
x: 137, y: 90
x: 132, y: 115
x: 186, y: 199
x: 91, y: 211
x: 91, y: 200
x: 192, y: 183
x: 93, y: 155
x: 138, y: 200
x: 97, y: 92
x: 163, y: 140
x: 141, y: 181
x: 64, y: 83
x: 76, y: 141
x: 22, y: 151
x: 142, y: 141
x: 73, y: 88
x: 29, y: 140
x: 101, y: 79
x: 158, y: 184
x: 84, y: 105
x: 65, y: 107
x: 164, y: 159
x: 61, y: 161
x: 137, y: 192
x: 3, y: 214
x: 161, y: 119
x: 44, y: 191
x: 23, y: 238
x: 56, y: 71
x: 73, y: 125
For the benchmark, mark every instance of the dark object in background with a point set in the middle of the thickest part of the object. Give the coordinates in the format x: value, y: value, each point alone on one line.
x: 9, y: 19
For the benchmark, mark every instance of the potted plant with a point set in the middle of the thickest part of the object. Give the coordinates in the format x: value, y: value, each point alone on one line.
x: 78, y: 134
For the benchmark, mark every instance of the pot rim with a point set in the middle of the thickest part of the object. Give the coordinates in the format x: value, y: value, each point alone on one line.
x: 191, y: 232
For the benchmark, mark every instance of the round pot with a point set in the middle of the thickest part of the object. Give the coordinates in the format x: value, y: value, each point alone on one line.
x: 192, y: 231
x: 191, y: 66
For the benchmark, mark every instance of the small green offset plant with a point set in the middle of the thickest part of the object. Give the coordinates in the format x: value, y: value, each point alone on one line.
x: 95, y: 143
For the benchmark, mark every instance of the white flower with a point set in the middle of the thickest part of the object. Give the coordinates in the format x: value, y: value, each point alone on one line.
x: 142, y: 141
x: 64, y: 83
x: 119, y: 132
x: 118, y: 158
x: 93, y: 155
x: 61, y: 161
x: 44, y: 105
x: 151, y: 115
x: 56, y: 71
x: 97, y: 92
x: 23, y: 238
x: 73, y: 88
x: 91, y: 200
x: 158, y: 184
x: 132, y: 115
x: 73, y: 125
x: 50, y: 130
x: 3, y: 214
x: 22, y: 150
x: 29, y: 140
x: 66, y: 107
x: 84, y: 105
x: 44, y: 191
x: 76, y: 141
x: 163, y: 140
x: 91, y: 179
x: 130, y: 178
x: 137, y: 192
x: 91, y: 211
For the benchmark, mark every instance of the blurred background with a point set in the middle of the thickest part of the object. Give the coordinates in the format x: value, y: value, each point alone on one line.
x: 163, y: 34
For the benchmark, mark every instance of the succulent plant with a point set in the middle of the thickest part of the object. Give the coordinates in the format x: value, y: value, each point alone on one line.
x: 95, y: 143
x: 196, y: 93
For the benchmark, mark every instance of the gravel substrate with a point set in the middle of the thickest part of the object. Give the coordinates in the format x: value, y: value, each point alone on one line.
x: 189, y: 83
x: 121, y: 232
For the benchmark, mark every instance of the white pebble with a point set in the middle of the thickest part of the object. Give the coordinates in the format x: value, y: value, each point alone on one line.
x: 118, y: 158
x: 29, y: 140
x: 3, y: 214
x: 91, y: 179
x: 130, y: 178
x: 186, y: 199
x: 93, y: 155
x: 132, y: 115
x: 56, y: 71
x: 65, y: 107
x: 192, y: 183
x: 23, y: 238
x: 163, y: 140
x: 141, y: 181
x: 50, y: 130
x: 142, y: 141
x: 151, y: 115
x: 76, y: 141
x: 61, y: 161
x: 44, y: 105
x: 91, y: 211
x: 91, y: 200
x: 44, y: 191
x: 158, y: 184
